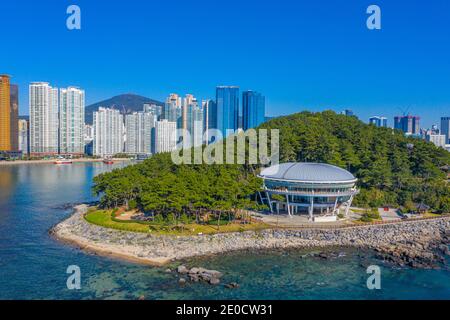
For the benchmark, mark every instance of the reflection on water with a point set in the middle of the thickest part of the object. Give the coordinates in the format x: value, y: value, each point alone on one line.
x: 33, y: 198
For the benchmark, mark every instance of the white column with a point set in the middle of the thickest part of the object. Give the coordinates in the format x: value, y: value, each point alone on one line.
x: 335, y: 206
x: 311, y: 209
x: 288, y: 205
x: 348, y: 206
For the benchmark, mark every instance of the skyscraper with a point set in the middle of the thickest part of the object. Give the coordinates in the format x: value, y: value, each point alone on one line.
x: 209, y: 117
x: 227, y: 99
x: 108, y: 132
x: 14, y: 91
x: 23, y: 136
x: 43, y: 119
x: 5, y: 114
x: 165, y: 136
x: 195, y: 125
x: 408, y: 124
x: 378, y: 121
x: 153, y: 108
x: 189, y: 102
x: 173, y: 111
x: 439, y: 140
x: 71, y: 121
x: 138, y: 128
x: 192, y: 121
x: 445, y: 128
x: 253, y: 109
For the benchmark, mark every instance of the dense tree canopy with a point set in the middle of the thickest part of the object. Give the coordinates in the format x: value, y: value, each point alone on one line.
x: 392, y: 169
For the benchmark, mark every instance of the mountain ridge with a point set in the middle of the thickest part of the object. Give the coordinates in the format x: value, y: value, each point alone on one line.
x: 126, y: 103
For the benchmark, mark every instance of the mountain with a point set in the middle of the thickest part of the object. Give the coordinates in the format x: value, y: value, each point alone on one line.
x: 126, y: 103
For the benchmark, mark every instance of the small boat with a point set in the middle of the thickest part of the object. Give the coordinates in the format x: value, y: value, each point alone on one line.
x: 108, y: 161
x: 62, y: 160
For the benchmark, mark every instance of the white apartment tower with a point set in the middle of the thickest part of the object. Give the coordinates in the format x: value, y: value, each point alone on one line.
x: 138, y: 127
x: 165, y: 136
x: 43, y: 119
x: 108, y: 132
x: 71, y: 121
x: 23, y: 136
x: 439, y: 140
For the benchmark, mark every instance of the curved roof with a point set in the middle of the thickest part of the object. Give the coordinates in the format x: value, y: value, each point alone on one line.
x: 307, y: 172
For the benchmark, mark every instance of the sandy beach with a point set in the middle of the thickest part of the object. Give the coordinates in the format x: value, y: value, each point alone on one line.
x: 402, y: 240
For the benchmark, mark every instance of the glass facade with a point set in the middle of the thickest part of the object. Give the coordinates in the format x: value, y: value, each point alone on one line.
x: 227, y: 99
x: 253, y: 109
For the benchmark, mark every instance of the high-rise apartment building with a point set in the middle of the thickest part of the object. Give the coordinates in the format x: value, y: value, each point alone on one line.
x: 227, y: 99
x: 23, y: 136
x: 379, y: 121
x: 14, y: 127
x: 43, y: 119
x: 138, y: 128
x: 5, y: 114
x: 153, y: 108
x: 253, y: 109
x: 173, y: 110
x: 189, y: 102
x: 408, y: 124
x: 439, y: 140
x: 165, y: 136
x: 445, y: 128
x: 209, y: 118
x: 108, y: 132
x: 195, y: 125
x: 71, y: 121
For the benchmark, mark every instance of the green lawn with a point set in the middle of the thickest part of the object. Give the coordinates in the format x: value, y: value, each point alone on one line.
x: 104, y: 218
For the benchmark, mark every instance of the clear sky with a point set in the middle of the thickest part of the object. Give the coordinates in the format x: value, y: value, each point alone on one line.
x: 302, y: 55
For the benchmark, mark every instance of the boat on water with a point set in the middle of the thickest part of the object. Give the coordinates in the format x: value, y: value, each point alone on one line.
x: 108, y: 161
x: 62, y: 160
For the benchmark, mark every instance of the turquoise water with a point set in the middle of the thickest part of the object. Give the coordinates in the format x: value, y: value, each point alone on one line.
x: 33, y: 265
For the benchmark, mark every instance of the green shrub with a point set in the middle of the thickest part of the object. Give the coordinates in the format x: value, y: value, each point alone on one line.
x: 132, y: 204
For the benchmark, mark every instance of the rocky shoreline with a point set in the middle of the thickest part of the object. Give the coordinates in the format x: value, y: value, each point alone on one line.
x: 417, y: 244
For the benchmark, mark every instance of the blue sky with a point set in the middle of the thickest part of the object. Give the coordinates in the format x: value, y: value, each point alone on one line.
x: 302, y: 55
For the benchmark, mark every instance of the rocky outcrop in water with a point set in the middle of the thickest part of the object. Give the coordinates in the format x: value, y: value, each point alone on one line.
x: 408, y: 243
x: 201, y: 274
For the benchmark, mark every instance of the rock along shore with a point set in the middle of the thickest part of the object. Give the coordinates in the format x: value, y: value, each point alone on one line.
x: 419, y: 244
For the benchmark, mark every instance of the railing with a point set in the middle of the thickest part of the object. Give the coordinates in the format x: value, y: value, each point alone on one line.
x: 314, y: 193
x: 348, y: 226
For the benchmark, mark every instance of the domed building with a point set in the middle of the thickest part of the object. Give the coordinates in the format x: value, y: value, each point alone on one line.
x: 317, y: 189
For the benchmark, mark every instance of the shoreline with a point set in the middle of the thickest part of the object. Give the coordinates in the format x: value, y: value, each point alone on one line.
x: 51, y: 161
x: 405, y: 243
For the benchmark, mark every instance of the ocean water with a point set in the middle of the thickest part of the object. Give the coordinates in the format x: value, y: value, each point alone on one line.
x: 33, y: 265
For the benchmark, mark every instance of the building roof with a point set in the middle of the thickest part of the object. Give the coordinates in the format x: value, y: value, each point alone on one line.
x: 307, y: 172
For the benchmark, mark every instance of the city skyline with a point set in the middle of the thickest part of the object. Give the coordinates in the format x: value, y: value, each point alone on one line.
x: 295, y: 56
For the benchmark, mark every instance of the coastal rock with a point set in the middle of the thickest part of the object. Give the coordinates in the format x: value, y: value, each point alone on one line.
x: 182, y: 281
x: 182, y: 269
x: 232, y: 285
x: 416, y: 243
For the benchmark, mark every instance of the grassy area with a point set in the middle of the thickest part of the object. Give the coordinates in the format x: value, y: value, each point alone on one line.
x: 104, y: 218
x: 432, y: 215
